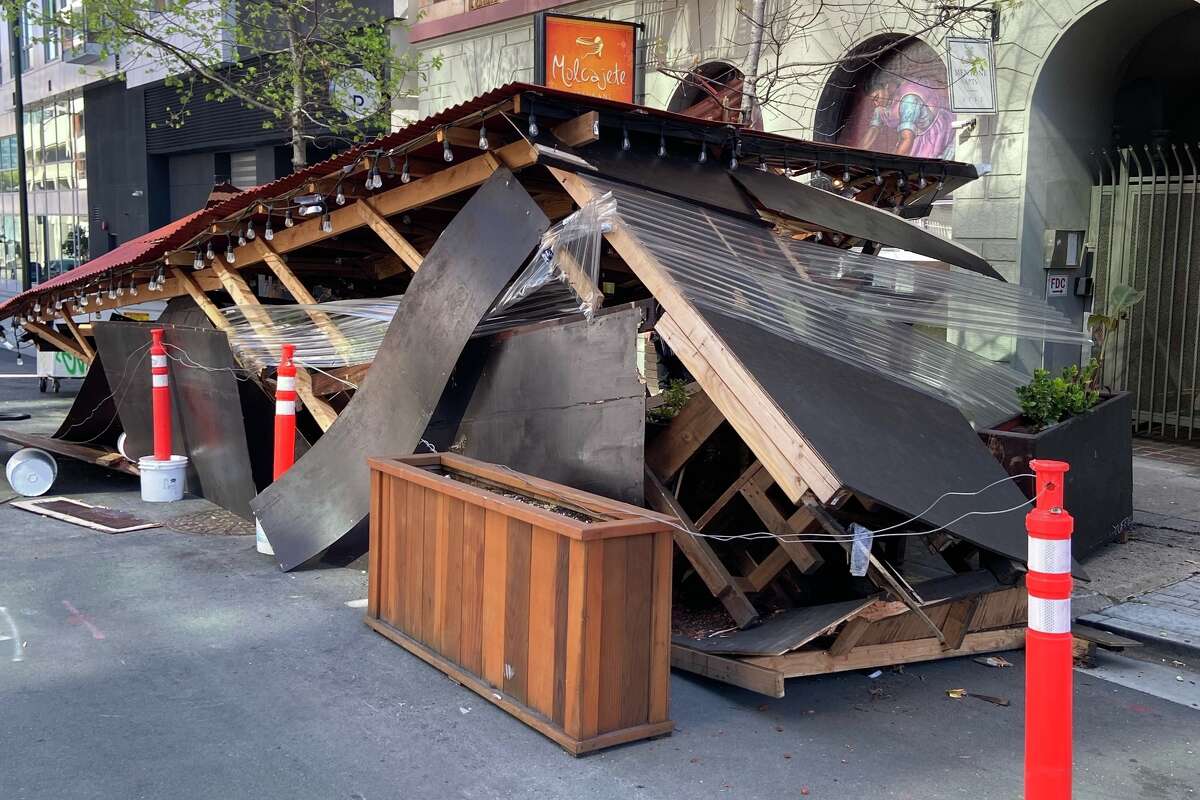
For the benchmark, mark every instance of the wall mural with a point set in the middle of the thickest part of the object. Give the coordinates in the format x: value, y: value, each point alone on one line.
x: 899, y: 104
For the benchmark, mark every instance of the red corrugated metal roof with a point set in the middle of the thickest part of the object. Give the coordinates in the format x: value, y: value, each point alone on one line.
x: 156, y: 244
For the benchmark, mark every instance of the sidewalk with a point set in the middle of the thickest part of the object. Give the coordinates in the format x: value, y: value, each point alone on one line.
x: 1148, y: 588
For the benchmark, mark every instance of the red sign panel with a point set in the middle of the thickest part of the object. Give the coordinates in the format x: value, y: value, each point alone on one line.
x: 588, y: 56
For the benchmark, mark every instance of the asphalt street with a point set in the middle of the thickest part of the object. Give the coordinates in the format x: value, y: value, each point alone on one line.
x: 161, y: 664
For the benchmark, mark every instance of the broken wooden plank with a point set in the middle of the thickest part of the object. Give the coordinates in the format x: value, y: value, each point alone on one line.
x: 849, y: 636
x: 782, y: 633
x: 728, y: 670
x: 820, y: 662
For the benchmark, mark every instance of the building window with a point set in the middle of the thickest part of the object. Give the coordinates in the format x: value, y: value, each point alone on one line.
x: 52, y: 41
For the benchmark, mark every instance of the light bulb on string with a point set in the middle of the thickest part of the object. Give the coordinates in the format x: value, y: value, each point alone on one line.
x: 250, y: 230
x: 533, y: 126
x: 209, y: 253
x: 662, y: 144
x: 287, y: 218
x: 340, y: 198
x: 483, y: 140
x: 120, y: 290
x: 37, y: 307
x: 703, y: 157
x: 326, y: 223
x: 241, y: 239
x: 596, y: 126
x: 405, y: 176
x: 230, y: 256
x: 625, y: 145
x: 268, y: 231
x: 733, y: 161
x: 447, y: 153
x: 878, y: 178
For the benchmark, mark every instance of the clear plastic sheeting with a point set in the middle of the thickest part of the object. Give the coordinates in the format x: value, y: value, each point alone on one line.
x: 560, y: 279
x: 848, y: 305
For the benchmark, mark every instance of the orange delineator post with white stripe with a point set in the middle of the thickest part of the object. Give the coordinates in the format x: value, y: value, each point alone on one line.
x: 161, y: 396
x: 1048, y: 656
x: 285, y: 412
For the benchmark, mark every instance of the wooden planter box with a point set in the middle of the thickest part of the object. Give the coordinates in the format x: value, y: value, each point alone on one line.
x: 561, y: 619
x: 1099, y: 447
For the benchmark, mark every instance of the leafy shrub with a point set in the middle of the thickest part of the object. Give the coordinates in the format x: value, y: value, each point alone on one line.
x: 1046, y: 400
x: 675, y: 397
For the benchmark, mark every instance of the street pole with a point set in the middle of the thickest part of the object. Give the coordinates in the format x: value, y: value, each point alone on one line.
x: 14, y: 29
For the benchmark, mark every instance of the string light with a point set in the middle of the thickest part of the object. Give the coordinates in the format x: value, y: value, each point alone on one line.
x: 37, y: 307
x: 209, y: 253
x: 878, y: 178
x: 483, y: 140
x: 662, y: 144
x: 405, y: 176
x: 250, y: 229
x: 340, y: 199
x: 287, y: 218
x: 625, y: 145
x: 733, y: 160
x: 447, y: 153
x: 268, y: 231
x: 133, y: 290
x: 703, y: 157
x: 596, y: 126
x: 230, y: 256
x: 241, y: 239
x: 326, y: 223
x: 198, y: 261
x: 533, y: 126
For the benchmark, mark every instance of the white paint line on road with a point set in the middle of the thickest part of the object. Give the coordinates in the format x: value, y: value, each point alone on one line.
x: 19, y: 375
x: 360, y: 603
x: 1160, y: 680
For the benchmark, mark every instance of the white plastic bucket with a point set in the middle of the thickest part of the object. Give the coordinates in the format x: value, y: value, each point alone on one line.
x: 31, y: 472
x: 163, y: 481
x: 260, y: 540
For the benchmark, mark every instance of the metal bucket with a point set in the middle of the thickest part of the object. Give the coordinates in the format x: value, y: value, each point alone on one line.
x: 31, y: 472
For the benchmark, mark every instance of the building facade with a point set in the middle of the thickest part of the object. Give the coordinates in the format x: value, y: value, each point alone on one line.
x: 54, y: 71
x: 1075, y: 79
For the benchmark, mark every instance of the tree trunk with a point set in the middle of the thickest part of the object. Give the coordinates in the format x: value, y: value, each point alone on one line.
x: 758, y: 16
x: 299, y: 157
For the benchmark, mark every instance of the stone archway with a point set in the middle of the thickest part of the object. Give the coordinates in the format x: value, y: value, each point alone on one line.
x: 1092, y: 91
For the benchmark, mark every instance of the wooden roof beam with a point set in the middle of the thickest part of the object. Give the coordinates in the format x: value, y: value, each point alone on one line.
x: 53, y: 337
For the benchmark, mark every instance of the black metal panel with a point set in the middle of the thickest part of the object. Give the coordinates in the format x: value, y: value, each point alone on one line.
x: 92, y: 418
x: 896, y: 445
x: 327, y: 493
x: 559, y: 401
x: 207, y: 423
x: 834, y: 212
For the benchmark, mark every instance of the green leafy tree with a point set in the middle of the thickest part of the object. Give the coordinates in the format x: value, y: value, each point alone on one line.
x: 285, y: 58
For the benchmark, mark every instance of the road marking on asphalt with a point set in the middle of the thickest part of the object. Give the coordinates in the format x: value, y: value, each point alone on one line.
x: 1159, y: 680
x: 76, y: 617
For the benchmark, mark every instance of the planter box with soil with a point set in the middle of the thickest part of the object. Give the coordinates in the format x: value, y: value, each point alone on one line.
x: 1099, y: 447
x: 552, y: 603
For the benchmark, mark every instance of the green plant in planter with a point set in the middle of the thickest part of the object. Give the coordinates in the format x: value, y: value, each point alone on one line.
x: 1046, y: 400
x: 675, y: 397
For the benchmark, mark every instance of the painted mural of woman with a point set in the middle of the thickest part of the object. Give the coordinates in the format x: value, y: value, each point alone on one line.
x: 916, y: 115
x: 903, y: 106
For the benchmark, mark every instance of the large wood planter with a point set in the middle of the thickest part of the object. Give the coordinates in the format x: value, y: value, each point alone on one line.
x: 1099, y: 447
x: 561, y: 619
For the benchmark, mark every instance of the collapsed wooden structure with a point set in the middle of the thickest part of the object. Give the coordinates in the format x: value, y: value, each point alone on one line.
x: 779, y: 451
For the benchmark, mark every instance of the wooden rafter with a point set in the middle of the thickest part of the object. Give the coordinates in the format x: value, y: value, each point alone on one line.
x: 84, y: 344
x: 794, y: 464
x: 456, y: 178
x: 245, y: 299
x: 580, y: 131
x: 299, y: 292
x: 390, y: 236
x: 189, y: 285
x: 48, y: 334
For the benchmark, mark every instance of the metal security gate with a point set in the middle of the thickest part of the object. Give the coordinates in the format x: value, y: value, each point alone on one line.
x: 1144, y: 212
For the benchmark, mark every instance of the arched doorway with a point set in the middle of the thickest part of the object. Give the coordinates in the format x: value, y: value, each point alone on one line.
x: 1111, y: 152
x: 713, y: 91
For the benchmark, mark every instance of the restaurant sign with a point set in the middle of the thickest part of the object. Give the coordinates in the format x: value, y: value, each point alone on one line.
x: 588, y: 56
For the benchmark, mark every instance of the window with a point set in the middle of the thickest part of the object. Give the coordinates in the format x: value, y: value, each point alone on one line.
x: 52, y: 42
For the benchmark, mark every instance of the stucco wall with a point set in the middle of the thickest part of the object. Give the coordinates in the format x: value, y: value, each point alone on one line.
x: 994, y: 216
